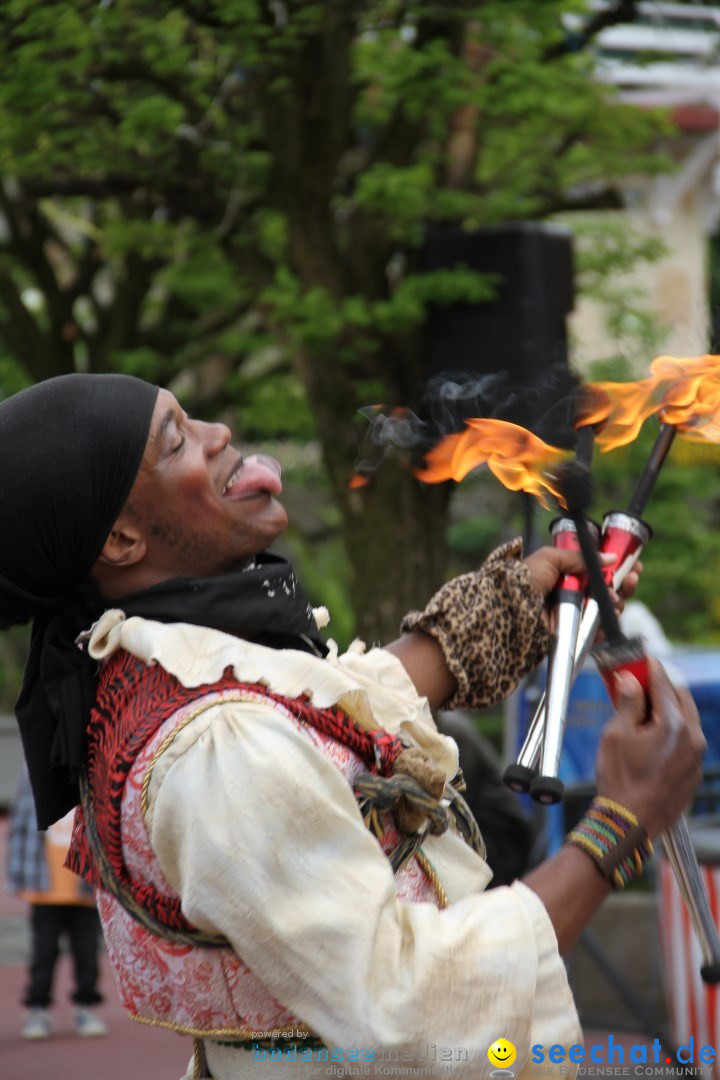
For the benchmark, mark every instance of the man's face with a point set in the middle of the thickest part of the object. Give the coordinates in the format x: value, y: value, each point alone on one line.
x: 202, y: 507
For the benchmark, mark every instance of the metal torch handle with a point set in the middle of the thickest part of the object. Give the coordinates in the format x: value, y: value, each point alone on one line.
x: 531, y: 749
x: 562, y: 668
x: 683, y: 860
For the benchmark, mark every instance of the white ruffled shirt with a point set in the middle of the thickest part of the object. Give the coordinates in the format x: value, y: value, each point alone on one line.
x: 260, y: 835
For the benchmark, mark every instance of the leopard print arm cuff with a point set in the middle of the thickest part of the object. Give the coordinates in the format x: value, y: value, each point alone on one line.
x: 488, y: 624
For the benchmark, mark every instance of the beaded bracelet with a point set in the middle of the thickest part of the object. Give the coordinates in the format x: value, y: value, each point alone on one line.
x: 611, y: 835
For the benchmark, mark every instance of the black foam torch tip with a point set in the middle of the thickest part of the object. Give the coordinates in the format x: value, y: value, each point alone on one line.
x: 584, y: 448
x: 646, y: 483
x: 574, y: 483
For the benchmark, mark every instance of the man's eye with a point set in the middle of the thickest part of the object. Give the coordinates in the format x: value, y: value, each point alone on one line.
x: 180, y: 445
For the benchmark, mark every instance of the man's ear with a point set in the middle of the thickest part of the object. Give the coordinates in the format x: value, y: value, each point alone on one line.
x: 124, y: 546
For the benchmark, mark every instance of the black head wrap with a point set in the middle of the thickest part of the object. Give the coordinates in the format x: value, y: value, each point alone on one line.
x: 70, y: 450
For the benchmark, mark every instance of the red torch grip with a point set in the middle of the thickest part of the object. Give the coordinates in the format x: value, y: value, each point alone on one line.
x: 623, y: 536
x: 564, y: 536
x: 628, y: 656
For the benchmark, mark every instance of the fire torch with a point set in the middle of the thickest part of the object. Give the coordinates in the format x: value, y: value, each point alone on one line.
x: 624, y: 535
x: 568, y: 612
x: 619, y: 653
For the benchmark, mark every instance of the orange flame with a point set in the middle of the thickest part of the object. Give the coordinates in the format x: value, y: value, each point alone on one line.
x: 683, y: 392
x: 519, y: 459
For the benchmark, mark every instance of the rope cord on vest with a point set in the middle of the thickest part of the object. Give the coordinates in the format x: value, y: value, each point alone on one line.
x: 113, y: 885
x: 424, y: 813
x: 402, y: 780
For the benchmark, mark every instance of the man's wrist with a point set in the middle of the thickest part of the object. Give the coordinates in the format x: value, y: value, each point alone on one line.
x: 611, y: 835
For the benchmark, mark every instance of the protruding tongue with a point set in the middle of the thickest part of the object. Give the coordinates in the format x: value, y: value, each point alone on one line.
x: 259, y: 475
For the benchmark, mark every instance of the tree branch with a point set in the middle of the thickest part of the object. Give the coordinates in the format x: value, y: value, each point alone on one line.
x: 20, y: 328
x: 197, y: 198
x: 118, y: 324
x: 87, y: 265
x: 624, y: 11
x: 111, y: 186
x: 136, y: 71
x: 201, y: 15
x: 401, y: 136
x: 30, y: 232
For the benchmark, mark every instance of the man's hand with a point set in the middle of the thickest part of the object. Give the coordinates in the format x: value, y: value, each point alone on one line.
x: 547, y: 565
x: 652, y: 764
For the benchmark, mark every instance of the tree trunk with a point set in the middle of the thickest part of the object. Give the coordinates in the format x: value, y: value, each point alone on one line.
x: 395, y: 537
x: 393, y: 529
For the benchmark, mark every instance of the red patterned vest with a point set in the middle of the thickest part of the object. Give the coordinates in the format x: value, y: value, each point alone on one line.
x: 192, y: 989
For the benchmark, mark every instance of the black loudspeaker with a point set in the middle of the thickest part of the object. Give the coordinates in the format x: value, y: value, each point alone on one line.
x: 522, y: 330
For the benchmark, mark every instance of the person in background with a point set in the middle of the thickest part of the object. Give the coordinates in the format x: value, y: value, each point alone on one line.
x: 60, y: 903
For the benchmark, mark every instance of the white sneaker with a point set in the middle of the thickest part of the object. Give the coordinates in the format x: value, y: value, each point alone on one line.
x: 38, y: 1024
x: 88, y: 1024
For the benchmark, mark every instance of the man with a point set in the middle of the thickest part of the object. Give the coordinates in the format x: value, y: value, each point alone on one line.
x: 255, y: 891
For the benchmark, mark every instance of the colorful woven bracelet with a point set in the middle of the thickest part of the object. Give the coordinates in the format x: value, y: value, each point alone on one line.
x: 611, y: 835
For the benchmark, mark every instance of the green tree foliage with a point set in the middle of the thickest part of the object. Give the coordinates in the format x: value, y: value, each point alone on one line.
x: 238, y: 191
x: 682, y: 561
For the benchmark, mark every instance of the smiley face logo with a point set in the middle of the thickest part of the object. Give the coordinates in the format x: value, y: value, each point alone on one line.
x: 502, y: 1053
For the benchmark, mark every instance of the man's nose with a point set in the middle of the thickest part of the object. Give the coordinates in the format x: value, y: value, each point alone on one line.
x: 215, y: 437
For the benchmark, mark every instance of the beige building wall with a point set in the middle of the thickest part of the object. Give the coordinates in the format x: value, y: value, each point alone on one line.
x: 681, y: 210
x: 674, y: 290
